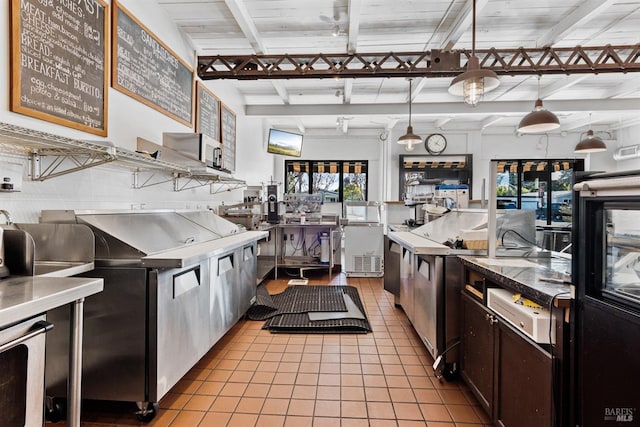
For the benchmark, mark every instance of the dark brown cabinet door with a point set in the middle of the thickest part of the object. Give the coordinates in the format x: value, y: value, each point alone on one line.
x: 478, y: 349
x: 523, y: 390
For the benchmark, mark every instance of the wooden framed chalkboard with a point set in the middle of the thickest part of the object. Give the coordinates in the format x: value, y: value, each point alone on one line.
x: 228, y: 127
x: 147, y: 70
x: 207, y: 112
x: 59, y: 62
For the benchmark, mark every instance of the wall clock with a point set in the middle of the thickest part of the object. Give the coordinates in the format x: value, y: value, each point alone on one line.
x: 435, y: 143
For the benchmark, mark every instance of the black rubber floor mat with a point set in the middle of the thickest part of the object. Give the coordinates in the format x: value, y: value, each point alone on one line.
x: 292, y: 305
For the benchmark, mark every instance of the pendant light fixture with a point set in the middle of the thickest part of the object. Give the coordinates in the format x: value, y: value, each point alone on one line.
x: 410, y: 139
x: 540, y: 119
x: 475, y: 82
x: 590, y: 144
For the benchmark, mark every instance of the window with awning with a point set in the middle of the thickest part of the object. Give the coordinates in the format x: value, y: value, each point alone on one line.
x: 335, y: 180
x: 543, y: 185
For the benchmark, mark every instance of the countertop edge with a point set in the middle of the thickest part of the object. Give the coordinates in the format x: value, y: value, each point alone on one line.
x: 562, y: 297
x: 74, y: 288
x: 182, y: 257
x: 418, y: 245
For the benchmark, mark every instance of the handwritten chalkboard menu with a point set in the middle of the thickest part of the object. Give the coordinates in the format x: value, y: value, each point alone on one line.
x: 228, y: 125
x: 207, y: 112
x: 147, y: 70
x: 58, y: 68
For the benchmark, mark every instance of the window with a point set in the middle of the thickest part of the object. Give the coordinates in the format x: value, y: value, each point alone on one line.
x: 540, y: 185
x: 335, y: 180
x: 416, y: 171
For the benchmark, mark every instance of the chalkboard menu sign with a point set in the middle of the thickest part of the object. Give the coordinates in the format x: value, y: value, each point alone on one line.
x: 58, y: 62
x: 207, y: 112
x: 147, y: 70
x: 228, y: 124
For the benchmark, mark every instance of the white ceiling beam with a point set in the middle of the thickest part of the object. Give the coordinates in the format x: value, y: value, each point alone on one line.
x: 491, y: 120
x: 507, y: 108
x: 439, y: 124
x: 462, y: 23
x: 575, y: 124
x: 348, y: 90
x: 417, y: 88
x: 354, y: 25
x: 587, y: 10
x: 562, y: 84
x: 242, y: 17
x: 245, y: 22
x: 625, y: 124
x: 625, y: 88
x: 282, y: 92
x: 300, y: 126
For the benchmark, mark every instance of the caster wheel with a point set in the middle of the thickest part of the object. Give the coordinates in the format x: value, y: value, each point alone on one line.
x: 147, y: 412
x: 55, y: 409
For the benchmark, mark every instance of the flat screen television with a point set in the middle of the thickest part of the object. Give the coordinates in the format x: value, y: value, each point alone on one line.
x: 284, y: 143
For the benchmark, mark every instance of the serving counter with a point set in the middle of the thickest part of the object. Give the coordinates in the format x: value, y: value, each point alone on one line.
x: 515, y: 338
x: 542, y: 280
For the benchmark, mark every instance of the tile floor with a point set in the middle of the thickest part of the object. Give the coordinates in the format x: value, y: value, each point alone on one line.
x: 255, y: 378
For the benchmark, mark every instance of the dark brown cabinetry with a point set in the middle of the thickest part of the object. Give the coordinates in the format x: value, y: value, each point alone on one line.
x: 510, y: 375
x: 478, y: 350
x: 524, y: 381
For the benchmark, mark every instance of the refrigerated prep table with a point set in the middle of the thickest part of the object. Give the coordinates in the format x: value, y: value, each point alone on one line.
x: 431, y: 278
x: 174, y: 283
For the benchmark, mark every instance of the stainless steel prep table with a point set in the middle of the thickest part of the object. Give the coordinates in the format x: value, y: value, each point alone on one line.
x: 431, y: 277
x: 27, y: 296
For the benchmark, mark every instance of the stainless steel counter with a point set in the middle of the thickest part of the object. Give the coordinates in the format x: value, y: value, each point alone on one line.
x: 418, y: 245
x: 188, y: 255
x: 539, y: 279
x: 27, y: 296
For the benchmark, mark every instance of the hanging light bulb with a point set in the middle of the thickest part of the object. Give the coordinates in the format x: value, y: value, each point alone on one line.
x: 475, y: 82
x: 540, y: 119
x: 590, y: 144
x: 409, y: 139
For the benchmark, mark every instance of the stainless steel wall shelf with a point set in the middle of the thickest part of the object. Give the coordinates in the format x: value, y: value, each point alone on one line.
x: 51, y: 156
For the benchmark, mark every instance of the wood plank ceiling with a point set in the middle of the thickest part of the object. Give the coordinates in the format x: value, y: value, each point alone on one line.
x: 243, y: 27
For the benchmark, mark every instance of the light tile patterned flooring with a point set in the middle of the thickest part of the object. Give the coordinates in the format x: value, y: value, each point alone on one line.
x: 255, y: 378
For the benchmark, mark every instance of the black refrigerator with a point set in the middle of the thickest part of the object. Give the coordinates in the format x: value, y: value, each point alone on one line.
x: 606, y: 325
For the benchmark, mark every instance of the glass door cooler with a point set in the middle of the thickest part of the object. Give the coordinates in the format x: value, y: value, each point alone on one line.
x: 606, y: 274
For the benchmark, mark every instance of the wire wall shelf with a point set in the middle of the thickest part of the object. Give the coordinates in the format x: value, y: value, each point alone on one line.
x: 52, y: 155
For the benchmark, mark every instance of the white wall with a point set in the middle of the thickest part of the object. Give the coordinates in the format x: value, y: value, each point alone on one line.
x: 111, y: 186
x: 628, y: 136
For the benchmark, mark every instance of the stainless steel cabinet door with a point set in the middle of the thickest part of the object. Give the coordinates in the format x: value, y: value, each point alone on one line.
x: 222, y: 300
x: 428, y: 297
x: 183, y: 327
x: 406, y: 282
x: 248, y: 276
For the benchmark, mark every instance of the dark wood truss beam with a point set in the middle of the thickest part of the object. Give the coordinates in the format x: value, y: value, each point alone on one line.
x: 434, y: 63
